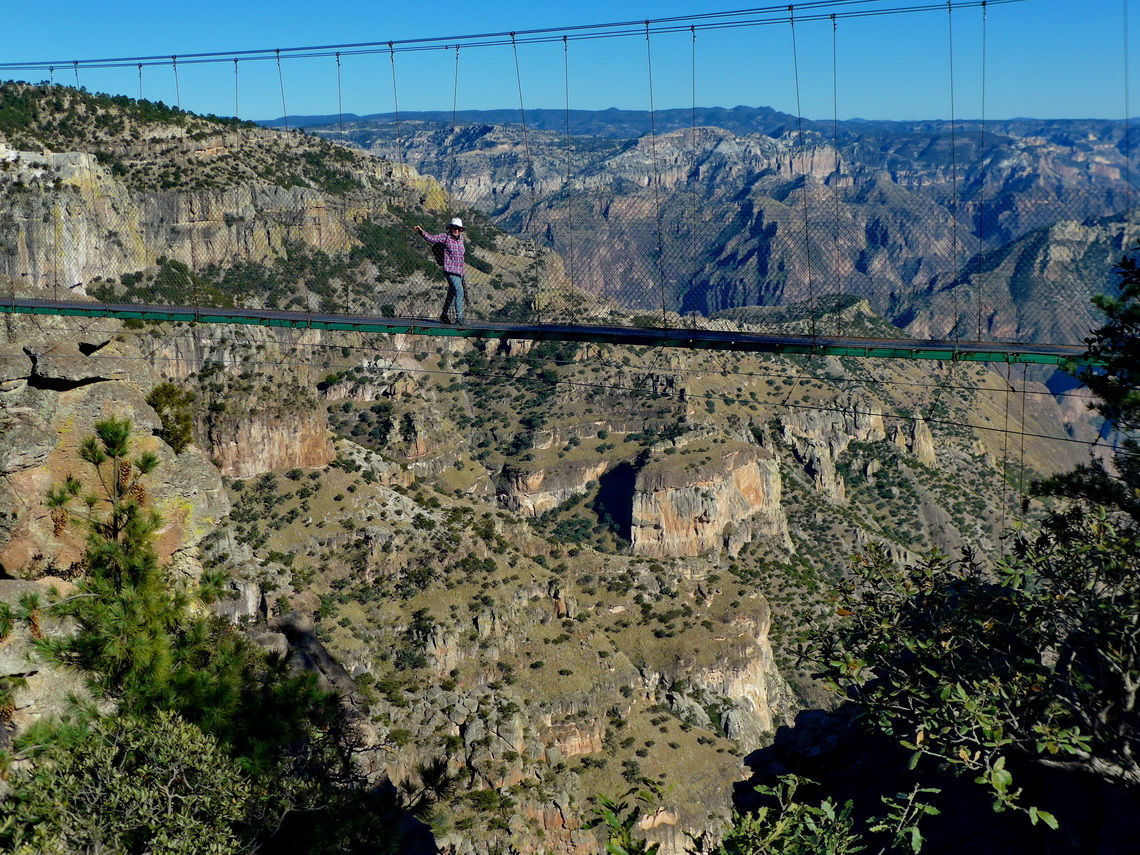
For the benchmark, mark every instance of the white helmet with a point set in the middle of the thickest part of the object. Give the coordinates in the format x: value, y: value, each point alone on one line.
x: 456, y: 223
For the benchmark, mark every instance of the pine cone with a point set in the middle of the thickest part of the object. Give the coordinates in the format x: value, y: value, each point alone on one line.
x: 124, y: 474
x: 138, y: 493
x: 59, y: 521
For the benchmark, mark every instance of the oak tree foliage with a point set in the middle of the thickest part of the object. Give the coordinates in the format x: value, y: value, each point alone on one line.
x: 1036, y: 656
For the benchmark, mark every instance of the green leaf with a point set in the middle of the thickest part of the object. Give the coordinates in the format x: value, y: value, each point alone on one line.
x: 1043, y: 816
x: 1001, y: 780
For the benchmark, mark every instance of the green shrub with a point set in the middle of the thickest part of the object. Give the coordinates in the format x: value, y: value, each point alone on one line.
x: 172, y: 404
x: 128, y: 784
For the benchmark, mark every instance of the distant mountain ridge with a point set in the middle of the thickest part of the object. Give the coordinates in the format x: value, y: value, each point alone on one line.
x: 751, y: 207
x: 611, y: 123
x: 617, y: 123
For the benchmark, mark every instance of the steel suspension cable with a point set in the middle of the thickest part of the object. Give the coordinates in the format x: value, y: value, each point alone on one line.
x: 803, y: 170
x: 529, y: 222
x: 1021, y: 468
x: 1127, y: 135
x: 526, y: 137
x: 237, y: 128
x: 706, y: 21
x: 182, y: 149
x: 656, y: 182
x: 57, y: 235
x: 181, y: 118
x: 91, y: 184
x: 695, y: 218
x: 569, y: 186
x: 451, y: 166
x: 339, y: 98
x: 177, y: 88
x: 1005, y: 454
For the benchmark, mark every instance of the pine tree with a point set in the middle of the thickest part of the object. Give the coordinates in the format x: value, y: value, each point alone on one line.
x: 164, y: 666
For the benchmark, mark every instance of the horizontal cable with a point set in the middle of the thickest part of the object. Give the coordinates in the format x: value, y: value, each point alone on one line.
x: 583, y: 32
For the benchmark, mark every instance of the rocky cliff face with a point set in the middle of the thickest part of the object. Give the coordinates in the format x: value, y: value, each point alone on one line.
x: 41, y: 689
x: 531, y: 492
x: 916, y: 439
x: 53, y: 396
x: 1070, y: 262
x: 762, y: 700
x: 750, y: 698
x: 78, y: 223
x: 256, y: 443
x: 819, y: 437
x: 721, y: 497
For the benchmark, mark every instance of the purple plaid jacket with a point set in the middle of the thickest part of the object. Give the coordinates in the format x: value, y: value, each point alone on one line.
x: 452, y: 252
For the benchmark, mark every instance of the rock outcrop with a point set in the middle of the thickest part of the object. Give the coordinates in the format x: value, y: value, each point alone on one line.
x: 533, y: 491
x: 78, y: 197
x: 36, y: 688
x: 258, y: 442
x: 706, y: 496
x: 819, y: 436
x: 743, y: 688
x: 48, y: 412
x: 915, y: 437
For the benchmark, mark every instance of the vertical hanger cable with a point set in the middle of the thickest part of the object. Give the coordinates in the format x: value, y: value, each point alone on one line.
x: 396, y: 104
x: 656, y: 182
x: 281, y: 83
x: 569, y: 187
x: 803, y: 170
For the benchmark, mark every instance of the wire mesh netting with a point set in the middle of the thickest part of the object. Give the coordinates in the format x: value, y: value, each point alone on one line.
x: 976, y: 231
x: 681, y: 230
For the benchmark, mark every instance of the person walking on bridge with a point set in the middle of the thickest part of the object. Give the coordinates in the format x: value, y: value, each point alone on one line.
x: 448, y: 248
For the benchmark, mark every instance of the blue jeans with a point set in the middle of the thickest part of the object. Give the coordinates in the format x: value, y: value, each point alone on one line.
x: 454, y: 295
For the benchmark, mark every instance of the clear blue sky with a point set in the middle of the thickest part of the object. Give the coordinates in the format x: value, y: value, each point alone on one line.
x: 1044, y: 58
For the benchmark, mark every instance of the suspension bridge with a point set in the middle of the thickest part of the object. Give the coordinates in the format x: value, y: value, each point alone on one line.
x: 622, y: 241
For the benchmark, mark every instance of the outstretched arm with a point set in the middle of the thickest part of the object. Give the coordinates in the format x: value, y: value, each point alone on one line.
x: 429, y: 238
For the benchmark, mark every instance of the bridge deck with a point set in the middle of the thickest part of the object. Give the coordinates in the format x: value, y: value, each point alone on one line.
x: 966, y: 351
